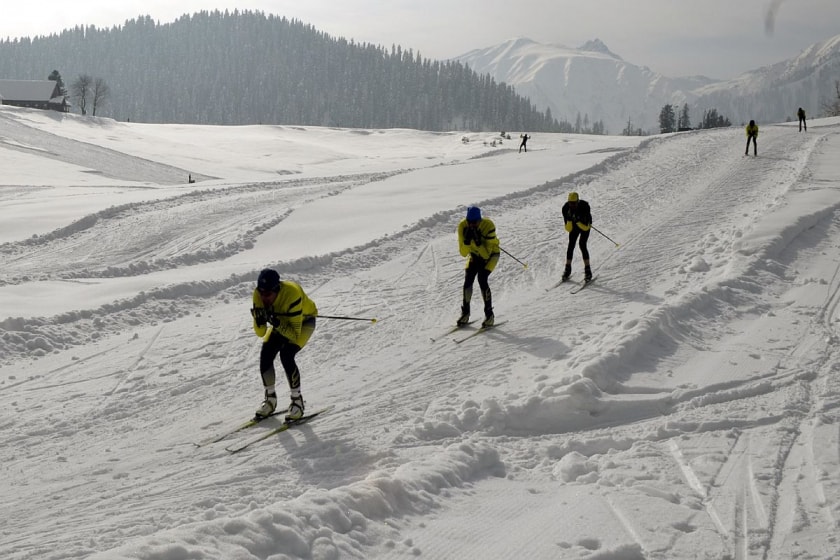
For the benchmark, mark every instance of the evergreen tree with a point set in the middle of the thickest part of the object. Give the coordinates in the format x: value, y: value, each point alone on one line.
x: 667, y: 119
x: 711, y: 119
x: 685, y: 121
x: 55, y: 76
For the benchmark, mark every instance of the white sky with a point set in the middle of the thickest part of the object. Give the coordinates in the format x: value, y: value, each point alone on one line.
x: 718, y: 38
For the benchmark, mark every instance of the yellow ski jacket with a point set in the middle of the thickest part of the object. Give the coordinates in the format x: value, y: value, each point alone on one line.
x: 480, y: 242
x: 290, y: 308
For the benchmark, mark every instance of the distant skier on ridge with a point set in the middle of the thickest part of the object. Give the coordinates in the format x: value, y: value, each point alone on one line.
x: 524, y: 143
x: 801, y: 114
x: 752, y: 134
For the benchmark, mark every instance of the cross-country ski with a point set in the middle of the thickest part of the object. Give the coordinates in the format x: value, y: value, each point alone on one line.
x: 236, y: 447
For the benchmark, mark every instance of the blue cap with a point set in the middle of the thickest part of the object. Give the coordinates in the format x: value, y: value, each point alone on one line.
x: 473, y: 214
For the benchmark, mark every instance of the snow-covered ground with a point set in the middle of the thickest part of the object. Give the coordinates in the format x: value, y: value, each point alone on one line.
x: 683, y: 406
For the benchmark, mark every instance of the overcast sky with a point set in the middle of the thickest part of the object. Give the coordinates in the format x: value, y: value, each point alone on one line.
x: 717, y: 38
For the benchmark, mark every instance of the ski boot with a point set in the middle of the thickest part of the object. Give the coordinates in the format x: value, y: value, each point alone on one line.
x: 465, y: 316
x: 489, y: 321
x: 295, y: 409
x: 269, y: 405
x: 567, y: 272
x: 587, y: 274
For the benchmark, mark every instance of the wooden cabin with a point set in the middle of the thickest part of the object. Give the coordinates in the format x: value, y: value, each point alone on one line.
x: 34, y: 94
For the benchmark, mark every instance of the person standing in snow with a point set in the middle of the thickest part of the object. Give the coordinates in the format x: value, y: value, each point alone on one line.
x: 284, y: 317
x: 524, y: 143
x: 578, y: 221
x: 801, y: 114
x: 477, y: 240
x: 752, y: 134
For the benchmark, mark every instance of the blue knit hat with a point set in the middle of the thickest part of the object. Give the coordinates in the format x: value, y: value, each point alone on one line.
x: 473, y: 214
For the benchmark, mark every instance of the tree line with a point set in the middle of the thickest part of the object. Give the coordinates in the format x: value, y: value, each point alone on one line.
x: 669, y: 121
x: 246, y: 67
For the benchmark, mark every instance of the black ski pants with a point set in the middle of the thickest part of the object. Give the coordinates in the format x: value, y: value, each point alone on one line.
x: 754, y: 143
x: 279, y: 344
x: 476, y: 270
x: 577, y: 236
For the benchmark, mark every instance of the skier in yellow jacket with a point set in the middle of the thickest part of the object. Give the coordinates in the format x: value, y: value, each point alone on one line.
x: 477, y: 240
x: 284, y: 317
x: 752, y: 134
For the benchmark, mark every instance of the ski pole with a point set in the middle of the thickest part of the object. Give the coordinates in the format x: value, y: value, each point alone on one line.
x: 346, y: 318
x: 514, y: 258
x: 602, y: 233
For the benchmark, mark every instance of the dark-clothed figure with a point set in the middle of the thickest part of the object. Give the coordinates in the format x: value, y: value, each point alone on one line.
x: 801, y: 114
x: 524, y: 143
x: 284, y: 317
x: 752, y: 134
x: 578, y: 221
x: 477, y: 240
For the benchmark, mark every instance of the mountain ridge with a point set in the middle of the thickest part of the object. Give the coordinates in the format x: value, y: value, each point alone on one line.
x: 593, y: 82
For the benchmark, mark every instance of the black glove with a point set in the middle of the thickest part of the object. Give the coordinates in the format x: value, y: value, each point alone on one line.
x: 468, y: 235
x: 274, y: 320
x: 260, y: 315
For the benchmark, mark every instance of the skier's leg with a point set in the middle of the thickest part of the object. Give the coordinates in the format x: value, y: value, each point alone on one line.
x: 570, y: 253
x: 287, y: 357
x: 584, y: 251
x: 268, y: 353
x: 486, y: 295
x: 469, y: 280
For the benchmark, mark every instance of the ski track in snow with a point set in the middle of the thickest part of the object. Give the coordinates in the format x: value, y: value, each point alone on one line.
x: 645, y: 392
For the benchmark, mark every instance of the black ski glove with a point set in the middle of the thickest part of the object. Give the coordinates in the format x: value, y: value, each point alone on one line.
x: 260, y: 315
x: 468, y: 235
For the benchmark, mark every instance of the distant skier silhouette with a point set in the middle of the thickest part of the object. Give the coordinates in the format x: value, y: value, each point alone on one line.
x: 752, y: 134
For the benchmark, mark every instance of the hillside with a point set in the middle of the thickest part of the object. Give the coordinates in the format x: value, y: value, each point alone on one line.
x: 683, y: 406
x: 245, y: 67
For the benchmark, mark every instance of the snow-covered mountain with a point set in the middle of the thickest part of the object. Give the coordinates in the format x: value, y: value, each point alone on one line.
x: 773, y: 93
x: 593, y: 82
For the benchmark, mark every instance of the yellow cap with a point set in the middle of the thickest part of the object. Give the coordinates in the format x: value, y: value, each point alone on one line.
x: 573, y: 197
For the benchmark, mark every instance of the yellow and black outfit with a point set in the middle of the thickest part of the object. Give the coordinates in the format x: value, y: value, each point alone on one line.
x: 752, y: 134
x: 292, y: 320
x: 477, y: 240
x: 577, y: 218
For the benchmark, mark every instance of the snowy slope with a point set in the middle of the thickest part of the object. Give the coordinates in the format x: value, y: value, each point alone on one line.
x: 683, y: 406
